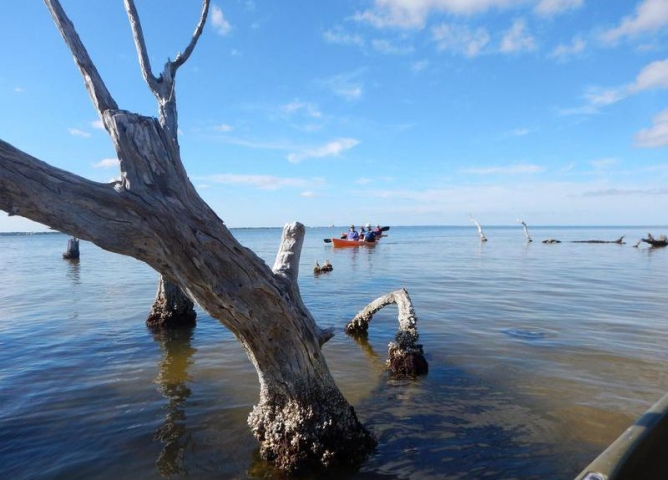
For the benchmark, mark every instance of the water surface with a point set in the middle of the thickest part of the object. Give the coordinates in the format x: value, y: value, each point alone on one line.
x: 540, y: 355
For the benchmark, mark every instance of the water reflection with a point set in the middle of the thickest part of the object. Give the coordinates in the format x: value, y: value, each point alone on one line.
x: 171, y: 379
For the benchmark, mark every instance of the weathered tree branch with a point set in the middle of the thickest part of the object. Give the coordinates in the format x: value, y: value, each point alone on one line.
x: 163, y: 87
x: 526, y: 231
x: 480, y: 232
x: 97, y: 90
x: 405, y: 355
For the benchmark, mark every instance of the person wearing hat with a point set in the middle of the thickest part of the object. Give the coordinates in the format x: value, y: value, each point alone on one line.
x: 352, y: 233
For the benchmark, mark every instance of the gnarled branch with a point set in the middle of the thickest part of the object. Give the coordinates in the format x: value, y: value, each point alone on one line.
x: 405, y: 355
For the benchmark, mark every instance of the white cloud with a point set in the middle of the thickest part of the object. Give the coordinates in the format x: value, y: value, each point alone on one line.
x: 460, y: 39
x: 599, y: 97
x: 547, y: 8
x: 389, y: 48
x: 19, y: 90
x: 308, y: 194
x: 419, y: 66
x: 223, y: 127
x: 331, y: 149
x: 78, y: 133
x: 654, y: 75
x: 220, y: 25
x: 263, y: 182
x: 520, y: 169
x: 516, y: 39
x: 656, y: 135
x: 107, y: 163
x: 97, y: 124
x: 565, y: 51
x: 339, y: 36
x: 345, y: 85
x: 414, y: 13
x: 297, y: 106
x: 650, y: 15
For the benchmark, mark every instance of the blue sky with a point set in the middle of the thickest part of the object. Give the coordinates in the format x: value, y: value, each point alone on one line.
x: 397, y: 112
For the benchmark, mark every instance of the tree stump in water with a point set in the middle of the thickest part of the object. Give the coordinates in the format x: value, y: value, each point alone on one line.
x: 405, y: 355
x: 171, y: 308
x: 662, y: 241
x: 72, y: 252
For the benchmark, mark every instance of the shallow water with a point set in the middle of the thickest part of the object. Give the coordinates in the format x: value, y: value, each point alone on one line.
x: 540, y: 355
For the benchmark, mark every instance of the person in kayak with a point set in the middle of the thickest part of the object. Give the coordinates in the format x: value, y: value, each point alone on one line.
x: 352, y: 233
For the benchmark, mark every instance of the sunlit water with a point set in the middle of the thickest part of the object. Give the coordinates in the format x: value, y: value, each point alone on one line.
x: 540, y: 355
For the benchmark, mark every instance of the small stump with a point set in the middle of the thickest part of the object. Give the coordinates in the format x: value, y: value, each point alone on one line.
x: 72, y: 252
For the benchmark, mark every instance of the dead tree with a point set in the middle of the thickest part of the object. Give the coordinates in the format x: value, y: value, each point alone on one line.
x: 526, y: 231
x: 405, y: 355
x: 72, y: 252
x: 662, y: 241
x: 153, y: 213
x: 171, y: 308
x: 480, y: 232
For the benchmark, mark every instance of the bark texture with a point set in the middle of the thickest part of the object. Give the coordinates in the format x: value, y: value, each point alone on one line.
x: 153, y: 213
x: 172, y: 308
x: 405, y: 354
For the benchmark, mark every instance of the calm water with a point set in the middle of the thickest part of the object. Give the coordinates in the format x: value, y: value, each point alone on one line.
x: 540, y: 355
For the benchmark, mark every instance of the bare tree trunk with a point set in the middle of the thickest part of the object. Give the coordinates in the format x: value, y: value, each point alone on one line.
x: 482, y: 236
x: 405, y: 355
x: 72, y: 252
x: 154, y: 214
x: 172, y: 308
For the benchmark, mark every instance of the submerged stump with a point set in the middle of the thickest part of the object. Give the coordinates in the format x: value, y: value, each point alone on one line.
x: 172, y: 308
x: 72, y: 252
x: 405, y: 354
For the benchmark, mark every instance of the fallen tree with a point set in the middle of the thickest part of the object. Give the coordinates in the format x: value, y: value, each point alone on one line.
x: 662, y: 241
x: 153, y: 213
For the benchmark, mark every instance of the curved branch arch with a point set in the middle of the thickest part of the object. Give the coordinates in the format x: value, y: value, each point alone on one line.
x: 405, y: 355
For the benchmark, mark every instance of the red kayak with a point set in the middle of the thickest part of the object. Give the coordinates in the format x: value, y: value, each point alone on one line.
x: 342, y: 242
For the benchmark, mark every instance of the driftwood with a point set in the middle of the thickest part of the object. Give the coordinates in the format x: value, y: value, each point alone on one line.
x: 154, y: 213
x: 662, y: 241
x: 171, y: 308
x: 526, y: 231
x: 405, y: 355
x: 72, y: 252
x: 480, y: 232
x: 551, y: 240
x: 619, y: 241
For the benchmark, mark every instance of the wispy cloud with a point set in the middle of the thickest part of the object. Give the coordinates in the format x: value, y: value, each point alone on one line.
x: 297, y: 106
x: 520, y: 169
x: 413, y: 14
x: 223, y: 127
x: 107, y: 163
x: 548, y: 8
x: 650, y: 16
x: 218, y: 22
x: 19, y: 90
x: 97, y: 124
x: 390, y: 48
x: 346, y: 85
x: 75, y: 132
x: 516, y: 39
x: 339, y: 36
x: 419, y: 66
x: 654, y: 75
x: 656, y: 135
x: 263, y: 182
x: 331, y: 149
x: 460, y: 39
x: 564, y: 52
